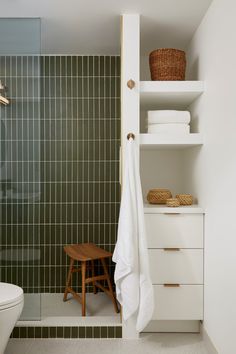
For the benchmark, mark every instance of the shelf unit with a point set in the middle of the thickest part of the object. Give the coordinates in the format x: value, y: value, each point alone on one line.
x: 164, y: 141
x: 171, y: 94
x: 163, y: 164
x: 162, y: 209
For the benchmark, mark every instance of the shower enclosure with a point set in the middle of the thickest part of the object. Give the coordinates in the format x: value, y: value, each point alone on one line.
x: 59, y: 170
x: 20, y: 189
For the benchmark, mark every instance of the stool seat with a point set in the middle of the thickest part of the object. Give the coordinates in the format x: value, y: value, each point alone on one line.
x: 86, y: 252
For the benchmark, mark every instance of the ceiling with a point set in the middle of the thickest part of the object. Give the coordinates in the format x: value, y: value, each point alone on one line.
x: 93, y: 26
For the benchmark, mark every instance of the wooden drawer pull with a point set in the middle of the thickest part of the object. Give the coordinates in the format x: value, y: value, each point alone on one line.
x: 171, y: 249
x: 171, y: 285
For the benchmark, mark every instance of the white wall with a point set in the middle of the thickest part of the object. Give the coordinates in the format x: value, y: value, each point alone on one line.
x: 212, y: 58
x: 162, y: 169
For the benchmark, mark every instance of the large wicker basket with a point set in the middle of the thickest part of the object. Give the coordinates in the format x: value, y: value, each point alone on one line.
x: 158, y: 196
x: 167, y: 64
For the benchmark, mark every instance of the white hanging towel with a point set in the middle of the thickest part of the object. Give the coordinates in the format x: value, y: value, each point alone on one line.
x: 132, y: 276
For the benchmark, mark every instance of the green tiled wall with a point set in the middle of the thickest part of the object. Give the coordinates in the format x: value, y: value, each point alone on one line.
x: 60, y: 140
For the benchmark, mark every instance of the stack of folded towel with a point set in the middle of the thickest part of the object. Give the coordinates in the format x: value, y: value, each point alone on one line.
x: 168, y: 122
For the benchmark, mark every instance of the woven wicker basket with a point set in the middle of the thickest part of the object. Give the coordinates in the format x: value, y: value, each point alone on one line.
x: 173, y: 202
x: 167, y: 64
x: 185, y: 199
x: 158, y: 196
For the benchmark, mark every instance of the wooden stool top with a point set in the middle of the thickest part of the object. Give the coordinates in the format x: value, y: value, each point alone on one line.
x: 86, y: 252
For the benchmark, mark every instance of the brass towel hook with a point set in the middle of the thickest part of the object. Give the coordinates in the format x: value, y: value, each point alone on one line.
x: 130, y: 135
x: 131, y: 84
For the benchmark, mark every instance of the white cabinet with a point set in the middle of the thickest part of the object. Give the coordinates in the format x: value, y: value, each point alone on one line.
x: 175, y: 246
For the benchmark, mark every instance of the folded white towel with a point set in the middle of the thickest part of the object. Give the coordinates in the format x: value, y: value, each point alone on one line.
x: 168, y: 128
x: 165, y: 116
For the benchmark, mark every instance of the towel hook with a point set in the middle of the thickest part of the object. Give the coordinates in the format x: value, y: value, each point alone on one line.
x: 130, y: 135
x: 131, y: 84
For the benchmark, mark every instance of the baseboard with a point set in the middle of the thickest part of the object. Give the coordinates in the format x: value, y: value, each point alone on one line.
x: 207, y: 340
x: 173, y: 326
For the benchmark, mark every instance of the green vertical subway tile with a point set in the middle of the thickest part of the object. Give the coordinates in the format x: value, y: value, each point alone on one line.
x: 118, y: 332
x: 104, y: 331
x: 79, y: 70
x: 68, y: 65
x: 91, y: 66
x: 45, y: 332
x: 82, y: 333
x: 111, y: 332
x: 15, y: 333
x: 107, y: 65
x: 89, y: 332
x: 113, y: 66
x: 52, y: 332
x: 74, y: 62
x: 31, y: 332
x: 67, y: 332
x: 74, y: 332
x: 59, y: 332
x: 85, y: 66
x: 96, y: 331
x: 37, y: 332
x: 96, y: 65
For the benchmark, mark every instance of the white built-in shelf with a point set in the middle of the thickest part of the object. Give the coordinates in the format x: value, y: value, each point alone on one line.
x: 163, y: 209
x: 169, y: 94
x: 168, y: 141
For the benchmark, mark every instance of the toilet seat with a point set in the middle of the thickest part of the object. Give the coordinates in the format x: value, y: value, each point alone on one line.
x: 10, y: 295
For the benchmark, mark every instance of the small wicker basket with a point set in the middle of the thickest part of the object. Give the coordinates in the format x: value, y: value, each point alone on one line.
x: 167, y: 64
x: 173, y: 202
x: 185, y: 199
x: 158, y: 196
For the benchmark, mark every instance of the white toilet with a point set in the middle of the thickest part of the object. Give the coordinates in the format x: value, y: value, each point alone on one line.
x: 11, y: 305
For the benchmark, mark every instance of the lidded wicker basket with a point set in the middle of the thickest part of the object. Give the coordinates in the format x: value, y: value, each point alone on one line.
x: 185, y: 199
x: 167, y: 64
x: 158, y: 196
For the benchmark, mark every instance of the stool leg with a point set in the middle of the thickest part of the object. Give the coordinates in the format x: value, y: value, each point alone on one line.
x: 68, y: 279
x: 83, y: 268
x: 109, y: 285
x: 93, y: 274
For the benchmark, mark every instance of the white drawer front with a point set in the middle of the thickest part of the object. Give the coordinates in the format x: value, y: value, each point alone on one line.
x: 174, y: 230
x: 184, y: 266
x: 178, y: 303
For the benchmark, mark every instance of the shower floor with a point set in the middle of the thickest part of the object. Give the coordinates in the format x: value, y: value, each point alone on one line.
x: 54, y: 311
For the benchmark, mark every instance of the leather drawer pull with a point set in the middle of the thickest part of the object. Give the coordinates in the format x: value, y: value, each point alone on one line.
x: 171, y: 285
x: 171, y: 249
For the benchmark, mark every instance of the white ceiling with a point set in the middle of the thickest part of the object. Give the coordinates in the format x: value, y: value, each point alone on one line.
x: 93, y: 26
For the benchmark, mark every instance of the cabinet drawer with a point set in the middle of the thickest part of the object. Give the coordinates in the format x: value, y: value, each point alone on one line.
x: 183, y: 266
x: 178, y: 303
x: 174, y: 230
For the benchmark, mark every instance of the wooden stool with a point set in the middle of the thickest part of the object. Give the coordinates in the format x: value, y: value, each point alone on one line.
x: 88, y: 252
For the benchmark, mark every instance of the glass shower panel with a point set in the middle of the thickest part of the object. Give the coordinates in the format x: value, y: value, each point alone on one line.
x: 20, y: 188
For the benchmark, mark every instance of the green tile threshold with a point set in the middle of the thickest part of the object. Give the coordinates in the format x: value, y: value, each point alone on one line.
x: 82, y: 332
